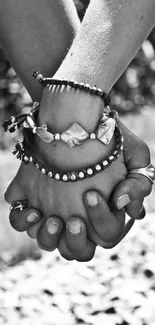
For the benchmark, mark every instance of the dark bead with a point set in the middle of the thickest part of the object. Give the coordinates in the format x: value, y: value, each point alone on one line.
x: 35, y: 73
x: 65, y: 82
x: 56, y: 82
x: 5, y: 126
x: 70, y: 83
x: 107, y: 100
x: 12, y: 129
x: 86, y: 88
x: 75, y: 85
x: 103, y: 95
x: 81, y: 85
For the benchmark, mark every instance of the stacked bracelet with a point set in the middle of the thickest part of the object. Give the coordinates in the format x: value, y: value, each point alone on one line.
x: 74, y: 135
x: 25, y: 153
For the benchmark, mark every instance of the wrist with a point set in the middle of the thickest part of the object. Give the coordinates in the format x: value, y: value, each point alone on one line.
x: 71, y: 106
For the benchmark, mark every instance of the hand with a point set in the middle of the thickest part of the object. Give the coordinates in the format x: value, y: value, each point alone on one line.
x: 138, y: 151
x: 67, y: 198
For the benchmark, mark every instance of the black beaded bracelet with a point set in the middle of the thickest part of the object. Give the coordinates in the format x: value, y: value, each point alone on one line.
x: 73, y: 84
x: 24, y: 152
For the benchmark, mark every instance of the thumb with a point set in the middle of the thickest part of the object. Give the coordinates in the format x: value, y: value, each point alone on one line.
x: 130, y: 193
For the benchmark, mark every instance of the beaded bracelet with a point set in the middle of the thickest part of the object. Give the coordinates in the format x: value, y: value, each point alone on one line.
x: 73, y: 84
x: 25, y: 153
x: 74, y: 135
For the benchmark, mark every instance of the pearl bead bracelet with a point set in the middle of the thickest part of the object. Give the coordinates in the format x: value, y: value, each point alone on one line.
x: 25, y: 153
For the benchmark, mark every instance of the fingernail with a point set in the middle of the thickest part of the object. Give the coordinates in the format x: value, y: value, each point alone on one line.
x: 142, y: 213
x: 92, y: 199
x: 33, y: 217
x: 74, y: 227
x: 123, y: 201
x: 52, y: 227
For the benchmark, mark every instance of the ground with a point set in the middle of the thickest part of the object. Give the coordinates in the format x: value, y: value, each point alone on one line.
x: 116, y: 288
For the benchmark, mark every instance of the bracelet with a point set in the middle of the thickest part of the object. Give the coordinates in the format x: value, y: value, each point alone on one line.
x: 74, y: 135
x: 24, y: 152
x: 73, y: 84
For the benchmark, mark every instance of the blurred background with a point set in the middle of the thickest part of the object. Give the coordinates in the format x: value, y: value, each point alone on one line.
x: 122, y: 289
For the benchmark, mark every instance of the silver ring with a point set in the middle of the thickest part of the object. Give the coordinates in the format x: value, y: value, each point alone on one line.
x: 148, y: 171
x: 19, y: 205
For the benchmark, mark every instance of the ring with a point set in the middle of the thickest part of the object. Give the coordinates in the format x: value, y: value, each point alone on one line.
x: 148, y: 171
x: 19, y: 205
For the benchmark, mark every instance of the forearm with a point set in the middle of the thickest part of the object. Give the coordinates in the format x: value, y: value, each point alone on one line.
x: 110, y: 35
x: 36, y: 35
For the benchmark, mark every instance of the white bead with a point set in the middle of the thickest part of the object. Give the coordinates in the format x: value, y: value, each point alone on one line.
x: 57, y: 136
x: 98, y: 167
x: 65, y: 178
x: 26, y: 158
x: 57, y: 176
x: 81, y: 175
x: 105, y: 163
x: 121, y: 147
x: 89, y: 171
x: 70, y: 143
x: 16, y: 127
x: 111, y: 157
x: 73, y: 177
x: 34, y: 130
x: 13, y: 119
x: 50, y: 174
x: 43, y: 171
x: 30, y: 159
x: 39, y: 76
x: 115, y: 152
x: 37, y: 165
x: 92, y: 136
x: 35, y: 104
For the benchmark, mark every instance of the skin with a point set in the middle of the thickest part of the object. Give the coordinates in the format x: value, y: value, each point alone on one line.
x: 105, y: 64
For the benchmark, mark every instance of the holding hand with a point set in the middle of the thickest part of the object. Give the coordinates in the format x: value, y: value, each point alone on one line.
x: 108, y: 226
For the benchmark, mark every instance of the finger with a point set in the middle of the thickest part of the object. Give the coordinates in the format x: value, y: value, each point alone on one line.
x: 77, y: 242
x: 33, y: 230
x: 49, y: 234
x: 126, y: 229
x: 130, y: 193
x: 109, y: 226
x: 63, y: 249
x: 23, y: 220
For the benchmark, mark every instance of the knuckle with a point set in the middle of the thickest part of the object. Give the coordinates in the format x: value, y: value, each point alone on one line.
x: 7, y: 197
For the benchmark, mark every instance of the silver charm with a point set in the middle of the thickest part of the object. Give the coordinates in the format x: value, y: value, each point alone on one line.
x: 30, y: 122
x: 75, y: 135
x: 44, y: 134
x: 106, y: 129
